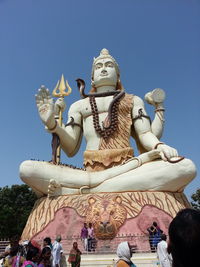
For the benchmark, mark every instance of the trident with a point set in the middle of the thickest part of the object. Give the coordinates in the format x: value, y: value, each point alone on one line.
x: 59, y: 91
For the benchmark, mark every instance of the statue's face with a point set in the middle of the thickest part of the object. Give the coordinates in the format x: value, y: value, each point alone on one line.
x: 104, y: 73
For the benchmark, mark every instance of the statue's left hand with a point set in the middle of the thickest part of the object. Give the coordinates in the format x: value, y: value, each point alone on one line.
x: 167, y: 152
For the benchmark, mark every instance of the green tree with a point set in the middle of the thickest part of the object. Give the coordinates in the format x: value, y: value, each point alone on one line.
x: 196, y: 200
x: 16, y: 203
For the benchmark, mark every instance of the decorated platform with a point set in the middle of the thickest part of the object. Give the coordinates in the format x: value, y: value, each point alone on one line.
x: 129, y: 213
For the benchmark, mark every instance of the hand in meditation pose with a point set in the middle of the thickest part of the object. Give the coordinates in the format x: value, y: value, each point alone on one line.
x: 107, y: 117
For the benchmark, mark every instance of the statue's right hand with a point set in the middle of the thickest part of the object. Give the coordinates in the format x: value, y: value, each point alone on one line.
x: 45, y: 107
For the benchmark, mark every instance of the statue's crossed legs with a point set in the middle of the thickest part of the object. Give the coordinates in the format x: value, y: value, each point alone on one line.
x: 143, y: 173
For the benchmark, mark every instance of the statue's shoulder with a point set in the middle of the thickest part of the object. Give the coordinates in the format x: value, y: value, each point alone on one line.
x: 79, y: 106
x: 138, y: 100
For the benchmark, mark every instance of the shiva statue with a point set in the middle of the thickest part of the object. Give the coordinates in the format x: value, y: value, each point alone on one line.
x: 108, y: 117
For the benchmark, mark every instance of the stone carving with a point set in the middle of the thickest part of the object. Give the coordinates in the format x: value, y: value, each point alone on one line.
x: 106, y: 214
x: 128, y: 205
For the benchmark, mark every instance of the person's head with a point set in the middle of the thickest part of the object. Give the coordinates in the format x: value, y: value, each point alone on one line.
x: 163, y: 237
x: 58, y: 238
x: 90, y: 225
x: 75, y: 245
x: 14, y: 250
x: 45, y: 254
x: 47, y: 241
x: 85, y: 225
x: 14, y: 240
x: 184, y: 238
x: 155, y: 224
x: 33, y: 251
x: 124, y: 251
x: 105, y: 71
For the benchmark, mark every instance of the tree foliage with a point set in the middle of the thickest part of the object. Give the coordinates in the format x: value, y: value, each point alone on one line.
x: 16, y: 203
x: 196, y: 200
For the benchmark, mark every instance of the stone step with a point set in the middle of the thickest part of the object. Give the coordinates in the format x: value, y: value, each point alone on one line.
x: 139, y: 259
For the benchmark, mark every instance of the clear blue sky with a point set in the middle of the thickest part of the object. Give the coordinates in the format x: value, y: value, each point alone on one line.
x: 155, y: 42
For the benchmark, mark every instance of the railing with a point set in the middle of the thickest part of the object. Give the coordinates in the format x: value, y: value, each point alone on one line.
x: 141, y: 243
x: 3, y: 244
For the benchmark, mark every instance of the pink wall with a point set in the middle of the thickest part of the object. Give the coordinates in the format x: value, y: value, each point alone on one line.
x: 68, y: 224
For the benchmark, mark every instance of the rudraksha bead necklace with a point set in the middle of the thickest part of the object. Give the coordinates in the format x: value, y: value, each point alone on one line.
x: 107, y: 131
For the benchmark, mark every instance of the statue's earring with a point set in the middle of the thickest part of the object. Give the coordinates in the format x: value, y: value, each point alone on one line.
x: 93, y: 89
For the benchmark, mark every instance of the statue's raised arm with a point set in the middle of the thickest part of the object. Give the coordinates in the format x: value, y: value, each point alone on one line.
x: 70, y: 136
x: 143, y: 130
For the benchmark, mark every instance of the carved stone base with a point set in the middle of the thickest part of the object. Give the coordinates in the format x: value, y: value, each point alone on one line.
x: 112, y: 215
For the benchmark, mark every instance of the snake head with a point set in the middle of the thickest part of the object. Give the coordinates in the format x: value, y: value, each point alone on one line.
x: 81, y: 86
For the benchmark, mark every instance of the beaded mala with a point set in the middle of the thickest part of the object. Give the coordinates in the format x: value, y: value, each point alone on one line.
x: 108, y: 130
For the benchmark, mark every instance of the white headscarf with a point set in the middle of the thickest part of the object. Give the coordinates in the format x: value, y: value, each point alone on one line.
x: 123, y: 251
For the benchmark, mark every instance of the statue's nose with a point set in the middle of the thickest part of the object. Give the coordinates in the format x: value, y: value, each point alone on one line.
x: 104, y: 223
x: 104, y: 71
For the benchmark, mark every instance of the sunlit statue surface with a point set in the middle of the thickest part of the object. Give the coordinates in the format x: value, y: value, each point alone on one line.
x: 107, y: 117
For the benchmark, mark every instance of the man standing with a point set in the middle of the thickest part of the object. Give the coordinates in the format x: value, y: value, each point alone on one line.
x: 162, y: 253
x: 90, y: 238
x: 57, y: 251
x: 84, y: 236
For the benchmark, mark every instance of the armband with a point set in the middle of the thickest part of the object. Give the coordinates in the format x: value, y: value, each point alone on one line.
x: 140, y: 115
x: 73, y: 123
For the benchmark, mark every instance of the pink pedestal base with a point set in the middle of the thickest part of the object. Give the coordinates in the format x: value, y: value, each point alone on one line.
x: 129, y: 215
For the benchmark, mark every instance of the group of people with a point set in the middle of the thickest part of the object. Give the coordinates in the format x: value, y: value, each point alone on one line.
x: 27, y: 254
x: 87, y: 237
x: 182, y: 249
x: 30, y: 254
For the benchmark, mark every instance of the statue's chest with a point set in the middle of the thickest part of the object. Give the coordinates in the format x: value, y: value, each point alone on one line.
x: 101, y: 105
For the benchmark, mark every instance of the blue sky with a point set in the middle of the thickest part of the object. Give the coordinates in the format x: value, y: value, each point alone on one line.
x: 155, y: 42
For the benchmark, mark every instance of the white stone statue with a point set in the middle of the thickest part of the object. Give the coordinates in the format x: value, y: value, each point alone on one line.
x: 107, y: 118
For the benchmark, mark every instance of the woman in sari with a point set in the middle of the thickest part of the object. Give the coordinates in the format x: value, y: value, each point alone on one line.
x: 124, y: 253
x: 75, y: 256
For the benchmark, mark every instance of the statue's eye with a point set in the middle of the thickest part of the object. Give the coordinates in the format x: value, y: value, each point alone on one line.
x: 97, y: 213
x: 112, y: 212
x: 109, y: 64
x: 98, y: 66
